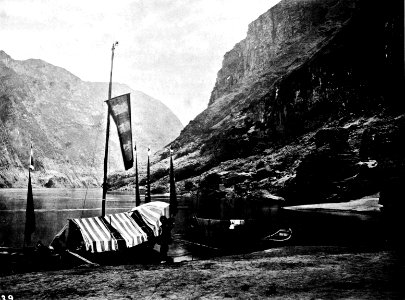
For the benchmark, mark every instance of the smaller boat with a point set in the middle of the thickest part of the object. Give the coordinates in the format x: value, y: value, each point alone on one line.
x: 281, y: 235
x: 238, y: 222
x: 239, y: 233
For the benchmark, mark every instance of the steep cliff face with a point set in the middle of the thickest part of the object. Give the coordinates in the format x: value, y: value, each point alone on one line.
x: 318, y: 51
x: 289, y: 28
x: 65, y: 118
x: 304, y: 65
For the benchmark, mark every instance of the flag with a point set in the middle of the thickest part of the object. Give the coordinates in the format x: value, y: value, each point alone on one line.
x: 29, y: 212
x: 147, y: 197
x: 137, y: 194
x: 173, y: 196
x: 120, y: 109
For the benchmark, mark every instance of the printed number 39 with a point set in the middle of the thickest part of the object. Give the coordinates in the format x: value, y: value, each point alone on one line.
x: 9, y: 297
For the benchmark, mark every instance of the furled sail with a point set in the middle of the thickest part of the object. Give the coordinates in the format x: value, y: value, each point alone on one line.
x: 173, y: 195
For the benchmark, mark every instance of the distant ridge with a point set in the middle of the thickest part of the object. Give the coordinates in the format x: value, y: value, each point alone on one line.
x: 65, y: 118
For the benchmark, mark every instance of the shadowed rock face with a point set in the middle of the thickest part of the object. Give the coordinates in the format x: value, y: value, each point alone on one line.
x: 304, y: 65
x: 275, y: 35
x: 65, y: 119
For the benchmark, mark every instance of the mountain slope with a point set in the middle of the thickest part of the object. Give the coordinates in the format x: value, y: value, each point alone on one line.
x: 305, y: 66
x: 65, y: 118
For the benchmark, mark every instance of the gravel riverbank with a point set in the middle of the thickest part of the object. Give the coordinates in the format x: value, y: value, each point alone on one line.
x: 294, y: 272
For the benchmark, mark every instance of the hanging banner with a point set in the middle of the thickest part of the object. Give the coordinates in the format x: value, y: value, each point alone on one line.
x: 120, y: 110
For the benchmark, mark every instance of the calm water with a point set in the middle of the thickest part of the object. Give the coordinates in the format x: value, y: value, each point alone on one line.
x: 54, y: 206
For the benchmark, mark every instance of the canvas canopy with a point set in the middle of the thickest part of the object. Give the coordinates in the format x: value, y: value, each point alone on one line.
x: 115, y: 231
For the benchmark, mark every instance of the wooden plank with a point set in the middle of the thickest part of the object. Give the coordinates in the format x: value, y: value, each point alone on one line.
x: 82, y: 258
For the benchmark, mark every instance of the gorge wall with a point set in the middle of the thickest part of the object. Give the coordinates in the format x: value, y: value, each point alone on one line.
x: 65, y: 119
x: 307, y: 69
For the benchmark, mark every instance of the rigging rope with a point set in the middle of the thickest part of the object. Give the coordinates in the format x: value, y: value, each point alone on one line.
x: 99, y: 127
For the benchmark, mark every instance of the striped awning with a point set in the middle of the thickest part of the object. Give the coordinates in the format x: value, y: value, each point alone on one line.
x: 150, y: 217
x: 127, y: 229
x: 159, y: 207
x: 96, y: 234
x: 126, y: 226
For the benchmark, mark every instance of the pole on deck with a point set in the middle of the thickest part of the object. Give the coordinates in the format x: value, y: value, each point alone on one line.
x: 107, y: 135
x: 137, y: 194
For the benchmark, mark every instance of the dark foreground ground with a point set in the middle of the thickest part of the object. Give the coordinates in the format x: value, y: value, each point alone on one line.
x: 292, y: 272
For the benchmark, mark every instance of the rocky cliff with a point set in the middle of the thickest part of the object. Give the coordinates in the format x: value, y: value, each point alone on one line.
x: 65, y: 119
x: 295, y: 102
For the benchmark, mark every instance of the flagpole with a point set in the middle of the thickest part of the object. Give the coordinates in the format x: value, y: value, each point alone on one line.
x: 173, y: 196
x: 137, y: 194
x: 147, y: 198
x: 107, y: 135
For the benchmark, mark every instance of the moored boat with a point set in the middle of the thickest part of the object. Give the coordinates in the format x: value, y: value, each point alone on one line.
x: 222, y: 217
x: 106, y: 238
x: 240, y: 233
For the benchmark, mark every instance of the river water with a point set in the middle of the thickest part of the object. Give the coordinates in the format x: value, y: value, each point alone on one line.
x: 54, y: 206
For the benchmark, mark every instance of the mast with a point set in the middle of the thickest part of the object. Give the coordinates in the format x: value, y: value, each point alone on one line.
x: 137, y: 194
x: 107, y: 135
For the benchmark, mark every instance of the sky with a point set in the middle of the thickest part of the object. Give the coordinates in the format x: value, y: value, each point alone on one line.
x: 168, y: 49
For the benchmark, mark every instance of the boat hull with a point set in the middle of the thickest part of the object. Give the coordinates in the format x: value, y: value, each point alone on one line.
x: 22, y: 260
x: 230, y: 233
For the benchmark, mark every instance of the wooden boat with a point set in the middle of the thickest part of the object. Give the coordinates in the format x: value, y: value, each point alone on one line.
x: 109, y: 237
x: 236, y: 224
x: 114, y: 237
x: 238, y: 233
x: 126, y: 237
x: 281, y: 235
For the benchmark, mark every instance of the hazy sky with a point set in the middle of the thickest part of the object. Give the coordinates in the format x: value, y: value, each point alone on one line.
x: 169, y: 49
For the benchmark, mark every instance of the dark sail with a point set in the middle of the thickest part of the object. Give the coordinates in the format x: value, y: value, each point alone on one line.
x: 29, y: 212
x: 147, y: 196
x: 173, y: 195
x: 120, y: 109
x: 137, y: 194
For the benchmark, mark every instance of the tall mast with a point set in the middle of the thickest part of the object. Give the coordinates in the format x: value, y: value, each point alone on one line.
x: 137, y: 194
x: 107, y: 135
